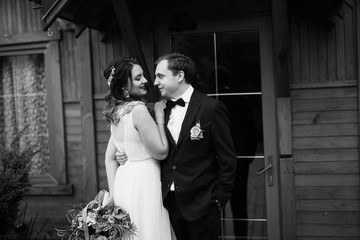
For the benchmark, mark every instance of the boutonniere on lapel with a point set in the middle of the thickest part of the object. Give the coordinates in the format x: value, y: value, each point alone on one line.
x: 197, y: 132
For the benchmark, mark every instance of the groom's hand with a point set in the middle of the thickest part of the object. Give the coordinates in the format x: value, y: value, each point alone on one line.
x: 121, y: 157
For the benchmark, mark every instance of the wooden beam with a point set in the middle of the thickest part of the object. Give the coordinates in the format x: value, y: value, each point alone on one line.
x: 89, y: 19
x: 281, y: 41
x: 128, y: 32
x: 79, y: 29
x: 28, y: 38
x: 84, y: 75
x: 53, y: 12
x: 107, y: 31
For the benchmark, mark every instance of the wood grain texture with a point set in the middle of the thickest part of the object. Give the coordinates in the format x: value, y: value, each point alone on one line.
x: 323, y: 47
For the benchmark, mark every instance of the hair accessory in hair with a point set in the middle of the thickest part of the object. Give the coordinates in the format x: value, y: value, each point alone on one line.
x: 111, y: 76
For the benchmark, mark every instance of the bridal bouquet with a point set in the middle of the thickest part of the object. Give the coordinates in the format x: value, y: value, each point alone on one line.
x: 98, y: 222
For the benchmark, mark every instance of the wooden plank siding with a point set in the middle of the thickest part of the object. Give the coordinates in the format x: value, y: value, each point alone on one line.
x: 71, y: 88
x: 103, y: 134
x: 18, y: 16
x: 325, y: 125
x: 323, y: 48
x: 104, y: 51
x: 325, y: 147
x: 55, y: 207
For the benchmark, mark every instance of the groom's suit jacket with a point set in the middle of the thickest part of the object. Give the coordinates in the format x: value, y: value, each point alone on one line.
x: 203, y: 170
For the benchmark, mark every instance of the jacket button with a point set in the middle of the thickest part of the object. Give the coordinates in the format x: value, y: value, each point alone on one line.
x: 174, y: 167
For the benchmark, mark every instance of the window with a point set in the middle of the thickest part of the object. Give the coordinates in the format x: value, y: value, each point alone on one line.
x: 23, y: 104
x: 30, y: 95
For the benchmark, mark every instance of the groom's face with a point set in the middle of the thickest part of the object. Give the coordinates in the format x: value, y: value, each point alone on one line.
x: 166, y: 82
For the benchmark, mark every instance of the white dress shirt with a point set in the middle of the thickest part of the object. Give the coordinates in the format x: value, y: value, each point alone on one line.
x: 176, y: 118
x: 177, y: 114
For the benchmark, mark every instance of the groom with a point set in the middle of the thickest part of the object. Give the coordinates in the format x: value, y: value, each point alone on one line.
x: 198, y: 174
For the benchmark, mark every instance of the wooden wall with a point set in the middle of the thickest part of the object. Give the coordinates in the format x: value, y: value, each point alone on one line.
x: 325, y: 125
x: 323, y: 45
x: 20, y: 18
x: 102, y: 137
x: 103, y: 51
x: 325, y: 148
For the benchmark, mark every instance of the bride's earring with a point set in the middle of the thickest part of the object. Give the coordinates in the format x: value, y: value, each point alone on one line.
x: 126, y: 93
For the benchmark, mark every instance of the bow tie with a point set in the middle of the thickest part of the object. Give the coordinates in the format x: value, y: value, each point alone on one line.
x: 170, y: 104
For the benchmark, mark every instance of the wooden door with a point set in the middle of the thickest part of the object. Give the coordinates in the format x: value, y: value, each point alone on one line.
x: 234, y: 61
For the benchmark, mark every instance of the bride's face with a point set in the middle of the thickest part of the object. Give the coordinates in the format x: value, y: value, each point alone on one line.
x: 138, y: 82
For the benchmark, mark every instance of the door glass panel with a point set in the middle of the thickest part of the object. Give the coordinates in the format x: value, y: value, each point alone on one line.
x: 229, y: 69
x: 239, y: 54
x: 200, y: 48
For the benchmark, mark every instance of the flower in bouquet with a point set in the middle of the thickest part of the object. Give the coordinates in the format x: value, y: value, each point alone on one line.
x: 97, y: 222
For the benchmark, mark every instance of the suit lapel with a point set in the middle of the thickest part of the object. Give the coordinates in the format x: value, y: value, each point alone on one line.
x: 167, y: 115
x: 169, y: 136
x: 193, y: 108
x: 168, y: 133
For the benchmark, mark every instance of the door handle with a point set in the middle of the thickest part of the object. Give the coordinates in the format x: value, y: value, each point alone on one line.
x: 264, y: 169
x: 267, y: 168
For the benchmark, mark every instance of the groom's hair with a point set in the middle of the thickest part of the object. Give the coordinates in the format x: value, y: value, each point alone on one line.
x: 179, y: 62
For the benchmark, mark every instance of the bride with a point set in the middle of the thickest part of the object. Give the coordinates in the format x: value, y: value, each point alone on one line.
x: 135, y: 186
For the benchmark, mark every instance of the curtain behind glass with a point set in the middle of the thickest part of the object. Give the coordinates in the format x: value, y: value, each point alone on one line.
x: 23, y: 104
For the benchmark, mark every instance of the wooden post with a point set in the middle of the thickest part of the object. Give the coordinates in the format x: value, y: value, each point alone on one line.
x: 286, y: 165
x: 282, y: 63
x: 55, y: 113
x: 284, y: 127
x: 287, y: 198
x: 84, y: 76
x: 357, y: 13
x: 281, y: 41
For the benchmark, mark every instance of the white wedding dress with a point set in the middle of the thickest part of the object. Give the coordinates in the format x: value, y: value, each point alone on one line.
x: 137, y: 184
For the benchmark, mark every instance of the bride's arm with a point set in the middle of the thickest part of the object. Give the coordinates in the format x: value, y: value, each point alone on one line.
x: 110, y: 165
x: 152, y: 134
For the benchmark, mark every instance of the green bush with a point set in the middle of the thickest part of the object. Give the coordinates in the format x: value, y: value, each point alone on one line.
x: 14, y: 183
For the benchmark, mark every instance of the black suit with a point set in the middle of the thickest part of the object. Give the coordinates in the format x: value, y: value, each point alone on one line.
x: 203, y: 170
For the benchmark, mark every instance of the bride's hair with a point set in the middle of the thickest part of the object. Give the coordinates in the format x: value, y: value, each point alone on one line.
x: 118, y: 77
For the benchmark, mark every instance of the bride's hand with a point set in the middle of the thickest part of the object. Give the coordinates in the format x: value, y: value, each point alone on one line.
x: 159, y: 110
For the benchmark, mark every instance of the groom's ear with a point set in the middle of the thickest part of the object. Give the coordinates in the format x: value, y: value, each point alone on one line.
x: 181, y: 75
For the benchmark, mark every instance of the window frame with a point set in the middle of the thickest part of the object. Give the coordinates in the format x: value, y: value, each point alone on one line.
x: 55, y: 181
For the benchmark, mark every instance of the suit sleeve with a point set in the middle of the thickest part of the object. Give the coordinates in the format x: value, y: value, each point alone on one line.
x: 225, y: 150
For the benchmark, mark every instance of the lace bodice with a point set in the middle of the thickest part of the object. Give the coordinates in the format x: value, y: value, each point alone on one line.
x: 128, y: 107
x: 126, y: 137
